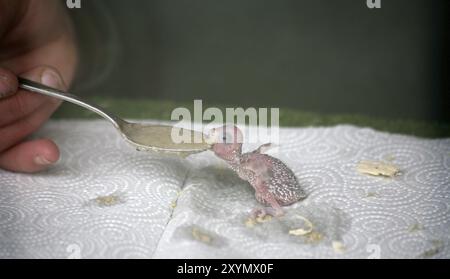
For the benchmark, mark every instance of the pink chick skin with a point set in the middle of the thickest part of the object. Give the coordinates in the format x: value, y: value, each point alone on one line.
x: 274, y: 183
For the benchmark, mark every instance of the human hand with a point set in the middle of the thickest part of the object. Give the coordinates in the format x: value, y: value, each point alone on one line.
x: 37, y: 43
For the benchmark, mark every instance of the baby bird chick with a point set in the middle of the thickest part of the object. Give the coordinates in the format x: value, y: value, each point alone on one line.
x: 274, y: 183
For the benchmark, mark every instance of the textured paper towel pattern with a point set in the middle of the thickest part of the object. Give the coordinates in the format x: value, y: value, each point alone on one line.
x: 166, y: 199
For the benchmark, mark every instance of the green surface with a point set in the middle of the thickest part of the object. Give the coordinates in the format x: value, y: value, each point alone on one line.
x: 161, y: 110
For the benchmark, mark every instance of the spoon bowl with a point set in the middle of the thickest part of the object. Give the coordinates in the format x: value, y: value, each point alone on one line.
x: 145, y: 137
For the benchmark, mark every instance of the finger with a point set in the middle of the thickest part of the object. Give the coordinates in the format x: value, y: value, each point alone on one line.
x: 19, y: 130
x: 60, y: 54
x: 20, y: 105
x: 24, y: 103
x: 8, y: 83
x: 30, y: 157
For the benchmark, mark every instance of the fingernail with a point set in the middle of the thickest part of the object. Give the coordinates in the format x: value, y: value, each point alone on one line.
x: 6, y: 87
x: 51, y: 79
x: 42, y: 161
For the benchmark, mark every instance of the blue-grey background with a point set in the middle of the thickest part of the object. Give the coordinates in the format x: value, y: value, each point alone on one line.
x: 313, y: 55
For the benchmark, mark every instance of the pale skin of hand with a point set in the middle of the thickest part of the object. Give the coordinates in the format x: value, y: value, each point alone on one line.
x: 36, y: 42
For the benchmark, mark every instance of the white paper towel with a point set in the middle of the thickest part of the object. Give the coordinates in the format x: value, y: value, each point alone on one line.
x: 197, y: 208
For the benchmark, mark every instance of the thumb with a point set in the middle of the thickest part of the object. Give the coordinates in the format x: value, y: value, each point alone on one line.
x: 46, y: 75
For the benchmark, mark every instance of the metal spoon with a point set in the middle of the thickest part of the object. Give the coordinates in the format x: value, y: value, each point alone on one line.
x: 143, y: 136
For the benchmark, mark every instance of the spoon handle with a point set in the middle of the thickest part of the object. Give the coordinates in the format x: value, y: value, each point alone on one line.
x: 55, y: 93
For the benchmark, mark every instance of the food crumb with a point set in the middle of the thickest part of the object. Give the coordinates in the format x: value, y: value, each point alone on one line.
x: 302, y: 231
x: 309, y: 234
x: 415, y: 228
x: 201, y: 236
x: 174, y: 203
x: 372, y: 195
x: 299, y: 232
x: 109, y: 200
x: 378, y: 168
x: 264, y: 219
x: 251, y: 222
x: 314, y: 237
x: 436, y: 249
x: 338, y: 246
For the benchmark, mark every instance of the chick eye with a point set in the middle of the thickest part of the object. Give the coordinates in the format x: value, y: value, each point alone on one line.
x: 227, y: 137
